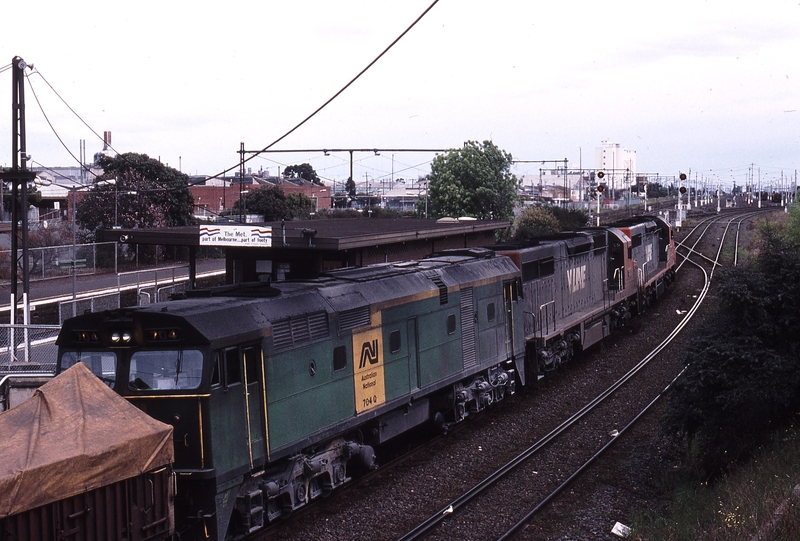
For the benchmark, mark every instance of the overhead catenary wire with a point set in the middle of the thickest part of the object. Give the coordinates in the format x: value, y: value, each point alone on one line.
x: 39, y: 73
x: 47, y: 119
x: 273, y: 143
x: 329, y: 100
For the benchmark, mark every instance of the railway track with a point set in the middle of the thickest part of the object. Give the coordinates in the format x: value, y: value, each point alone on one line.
x: 448, y: 521
x: 502, y: 504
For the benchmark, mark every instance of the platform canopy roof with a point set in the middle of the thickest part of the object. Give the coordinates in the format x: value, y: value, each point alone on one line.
x: 328, y: 234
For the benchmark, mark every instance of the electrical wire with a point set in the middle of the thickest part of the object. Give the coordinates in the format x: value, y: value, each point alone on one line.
x: 47, y: 119
x: 318, y: 109
x: 39, y: 73
x: 164, y: 185
x: 255, y: 154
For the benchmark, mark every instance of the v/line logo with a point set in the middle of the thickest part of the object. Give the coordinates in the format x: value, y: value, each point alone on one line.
x: 369, y: 353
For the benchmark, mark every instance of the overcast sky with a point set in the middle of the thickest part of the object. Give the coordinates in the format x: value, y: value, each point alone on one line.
x: 710, y: 87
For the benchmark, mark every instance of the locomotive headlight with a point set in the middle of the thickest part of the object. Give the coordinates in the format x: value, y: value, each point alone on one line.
x: 118, y: 337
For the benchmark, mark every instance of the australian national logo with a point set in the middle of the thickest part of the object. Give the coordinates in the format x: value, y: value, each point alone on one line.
x: 369, y: 354
x: 368, y: 376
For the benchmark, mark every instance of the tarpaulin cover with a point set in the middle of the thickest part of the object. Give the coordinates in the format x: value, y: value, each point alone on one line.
x: 74, y: 435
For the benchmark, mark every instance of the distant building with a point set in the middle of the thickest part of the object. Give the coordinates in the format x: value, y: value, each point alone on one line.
x: 216, y: 197
x: 617, y: 163
x: 552, y: 185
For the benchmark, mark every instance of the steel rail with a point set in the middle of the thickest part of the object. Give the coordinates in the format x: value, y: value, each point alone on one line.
x: 576, y: 474
x: 425, y: 527
x: 579, y: 471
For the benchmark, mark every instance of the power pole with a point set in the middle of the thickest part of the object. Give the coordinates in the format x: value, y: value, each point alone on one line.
x: 19, y: 176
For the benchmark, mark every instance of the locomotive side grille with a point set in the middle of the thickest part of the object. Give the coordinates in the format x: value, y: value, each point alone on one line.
x: 350, y: 319
x: 282, y: 334
x: 436, y: 279
x: 468, y: 328
x: 300, y: 332
x: 318, y: 325
x: 297, y: 330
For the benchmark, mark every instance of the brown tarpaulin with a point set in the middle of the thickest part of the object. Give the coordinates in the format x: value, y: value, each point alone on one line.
x: 74, y: 435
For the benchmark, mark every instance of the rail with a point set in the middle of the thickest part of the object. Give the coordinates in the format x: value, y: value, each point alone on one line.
x: 471, y: 494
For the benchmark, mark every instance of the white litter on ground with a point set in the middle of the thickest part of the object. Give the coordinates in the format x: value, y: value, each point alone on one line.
x: 620, y: 530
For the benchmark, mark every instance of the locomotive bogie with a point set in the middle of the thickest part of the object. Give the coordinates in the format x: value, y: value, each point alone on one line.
x: 470, y: 396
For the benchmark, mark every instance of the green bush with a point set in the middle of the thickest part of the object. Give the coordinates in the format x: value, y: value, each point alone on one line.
x: 743, y: 374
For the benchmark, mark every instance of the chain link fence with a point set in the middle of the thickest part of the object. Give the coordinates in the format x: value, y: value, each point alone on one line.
x: 28, y: 356
x: 28, y: 348
x: 68, y: 309
x: 58, y: 261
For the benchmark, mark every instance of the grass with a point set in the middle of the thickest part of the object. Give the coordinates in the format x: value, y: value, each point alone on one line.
x: 739, y: 506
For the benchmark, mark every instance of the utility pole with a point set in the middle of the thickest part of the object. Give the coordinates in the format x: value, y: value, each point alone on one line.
x: 19, y: 176
x: 242, y: 210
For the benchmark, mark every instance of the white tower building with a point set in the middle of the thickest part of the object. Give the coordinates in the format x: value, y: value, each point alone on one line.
x: 618, y: 163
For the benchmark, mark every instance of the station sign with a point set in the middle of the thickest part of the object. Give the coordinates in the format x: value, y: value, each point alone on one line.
x: 236, y: 235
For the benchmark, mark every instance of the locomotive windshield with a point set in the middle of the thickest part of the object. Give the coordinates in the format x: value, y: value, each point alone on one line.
x: 102, y: 363
x: 165, y: 370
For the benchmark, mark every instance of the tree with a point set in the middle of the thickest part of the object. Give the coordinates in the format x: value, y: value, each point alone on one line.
x: 535, y: 222
x: 304, y: 171
x: 793, y: 227
x: 569, y: 219
x: 299, y: 205
x: 33, y: 195
x: 350, y: 187
x: 473, y: 181
x: 743, y: 373
x: 268, y: 201
x: 145, y: 193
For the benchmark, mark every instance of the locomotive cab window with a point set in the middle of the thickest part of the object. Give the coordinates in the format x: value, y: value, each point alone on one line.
x: 339, y: 358
x: 394, y: 341
x: 252, y: 359
x: 490, y: 313
x: 451, y: 324
x: 233, y: 371
x: 217, y: 370
x: 547, y: 267
x: 103, y: 364
x: 160, y: 370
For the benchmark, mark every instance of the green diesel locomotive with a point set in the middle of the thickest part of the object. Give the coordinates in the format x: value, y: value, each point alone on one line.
x: 276, y: 391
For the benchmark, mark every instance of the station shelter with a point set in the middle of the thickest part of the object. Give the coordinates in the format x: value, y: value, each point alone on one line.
x: 305, y: 248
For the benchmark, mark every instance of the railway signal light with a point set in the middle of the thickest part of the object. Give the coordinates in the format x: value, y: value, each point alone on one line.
x: 600, y: 174
x: 683, y: 176
x: 683, y: 189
